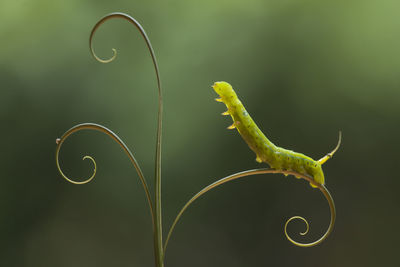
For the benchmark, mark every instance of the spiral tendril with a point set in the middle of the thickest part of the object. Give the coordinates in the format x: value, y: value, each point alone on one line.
x: 157, y: 220
x: 332, y: 208
x: 294, y: 218
x: 87, y: 180
x: 104, y: 60
x: 264, y: 171
x: 59, y: 142
x: 93, y: 126
x: 142, y: 32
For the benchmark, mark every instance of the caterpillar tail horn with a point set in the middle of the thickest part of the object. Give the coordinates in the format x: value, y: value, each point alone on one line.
x: 330, y: 154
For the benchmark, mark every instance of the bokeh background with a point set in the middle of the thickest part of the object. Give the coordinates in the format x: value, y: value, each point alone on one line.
x: 303, y: 69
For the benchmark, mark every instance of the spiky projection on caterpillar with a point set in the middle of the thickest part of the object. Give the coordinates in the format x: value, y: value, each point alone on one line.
x: 276, y: 157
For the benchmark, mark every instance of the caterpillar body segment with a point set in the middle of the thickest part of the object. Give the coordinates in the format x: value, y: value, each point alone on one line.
x: 276, y: 157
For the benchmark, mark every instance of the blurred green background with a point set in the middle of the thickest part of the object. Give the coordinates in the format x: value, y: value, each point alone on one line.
x: 303, y: 69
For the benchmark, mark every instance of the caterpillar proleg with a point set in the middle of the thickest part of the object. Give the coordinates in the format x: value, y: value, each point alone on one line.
x: 276, y: 157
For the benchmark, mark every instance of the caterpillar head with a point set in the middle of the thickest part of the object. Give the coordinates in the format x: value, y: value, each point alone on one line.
x: 224, y: 90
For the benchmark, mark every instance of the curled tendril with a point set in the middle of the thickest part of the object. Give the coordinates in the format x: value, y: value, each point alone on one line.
x: 157, y: 216
x: 93, y: 126
x: 294, y: 218
x: 84, y: 181
x: 329, y: 198
x: 142, y: 32
x: 264, y: 171
x: 157, y: 211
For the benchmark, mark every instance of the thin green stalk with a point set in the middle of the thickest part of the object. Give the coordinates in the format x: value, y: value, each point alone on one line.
x: 264, y: 171
x: 158, y: 240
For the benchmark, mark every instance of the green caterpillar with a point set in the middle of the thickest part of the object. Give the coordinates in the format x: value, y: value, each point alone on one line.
x: 278, y: 158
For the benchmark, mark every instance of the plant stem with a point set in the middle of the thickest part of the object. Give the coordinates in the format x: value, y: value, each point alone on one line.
x: 158, y: 240
x: 242, y: 174
x: 158, y: 213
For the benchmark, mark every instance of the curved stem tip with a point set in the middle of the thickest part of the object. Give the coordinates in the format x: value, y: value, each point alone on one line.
x: 264, y: 171
x: 97, y: 127
x: 158, y: 216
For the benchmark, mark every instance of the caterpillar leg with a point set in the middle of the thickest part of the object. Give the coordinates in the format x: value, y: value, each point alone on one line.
x: 330, y: 154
